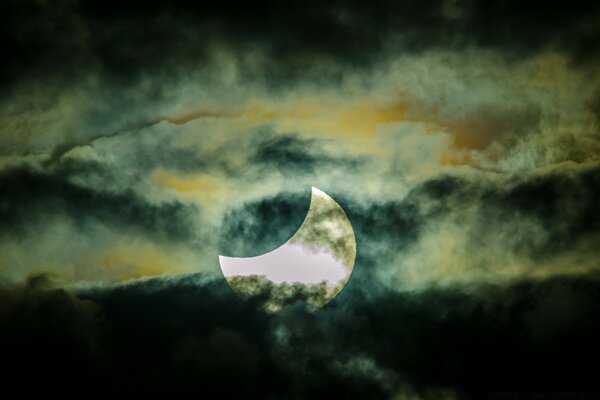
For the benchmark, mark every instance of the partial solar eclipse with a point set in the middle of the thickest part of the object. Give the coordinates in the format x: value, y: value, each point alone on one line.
x: 313, y: 265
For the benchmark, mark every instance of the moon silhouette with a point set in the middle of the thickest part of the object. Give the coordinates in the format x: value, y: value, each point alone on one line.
x: 313, y: 265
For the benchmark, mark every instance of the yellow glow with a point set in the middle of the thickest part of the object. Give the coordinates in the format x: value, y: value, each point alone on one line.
x: 138, y: 260
x: 357, y: 122
x: 200, y: 187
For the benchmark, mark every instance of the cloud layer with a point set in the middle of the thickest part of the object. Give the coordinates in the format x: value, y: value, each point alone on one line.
x: 137, y: 143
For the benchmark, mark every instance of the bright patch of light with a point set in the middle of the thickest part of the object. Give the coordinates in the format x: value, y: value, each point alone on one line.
x: 289, y: 263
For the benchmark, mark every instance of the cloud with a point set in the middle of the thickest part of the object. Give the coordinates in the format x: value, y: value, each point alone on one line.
x: 81, y: 233
x: 190, y: 335
x: 272, y: 297
x: 28, y: 194
x: 137, y: 143
x: 101, y: 35
x: 486, y: 228
x: 51, y: 336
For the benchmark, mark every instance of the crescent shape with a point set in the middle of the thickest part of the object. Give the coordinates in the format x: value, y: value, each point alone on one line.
x: 313, y: 265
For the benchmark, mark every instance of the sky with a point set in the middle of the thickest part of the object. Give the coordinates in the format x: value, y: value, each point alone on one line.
x: 139, y: 142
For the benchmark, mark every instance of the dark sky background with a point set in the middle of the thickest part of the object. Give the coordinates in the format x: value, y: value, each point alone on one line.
x: 139, y: 142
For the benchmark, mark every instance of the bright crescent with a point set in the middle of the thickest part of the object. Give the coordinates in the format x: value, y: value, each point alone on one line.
x: 320, y: 254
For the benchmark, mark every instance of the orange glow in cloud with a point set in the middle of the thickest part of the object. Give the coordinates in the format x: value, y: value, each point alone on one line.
x: 325, y: 116
x: 199, y: 187
x: 138, y: 260
x: 358, y: 122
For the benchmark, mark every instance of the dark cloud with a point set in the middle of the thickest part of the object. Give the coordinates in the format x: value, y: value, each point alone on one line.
x: 259, y: 227
x: 188, y: 336
x: 67, y: 37
x: 250, y: 156
x: 30, y: 198
x: 291, y: 154
x: 563, y: 203
x: 460, y: 138
x: 560, y: 202
x: 51, y: 337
